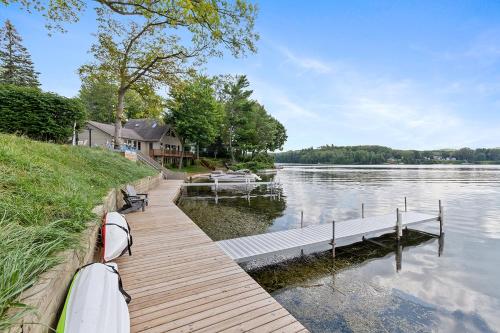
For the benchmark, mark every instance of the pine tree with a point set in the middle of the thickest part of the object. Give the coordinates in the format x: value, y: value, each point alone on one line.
x: 16, y: 66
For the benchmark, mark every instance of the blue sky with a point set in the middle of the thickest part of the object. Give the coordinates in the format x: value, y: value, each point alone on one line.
x: 405, y: 74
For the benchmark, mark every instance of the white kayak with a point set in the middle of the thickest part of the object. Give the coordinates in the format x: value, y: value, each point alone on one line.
x: 95, y: 302
x: 116, y: 236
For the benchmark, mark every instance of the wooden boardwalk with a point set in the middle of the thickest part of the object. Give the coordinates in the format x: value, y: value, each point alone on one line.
x: 181, y: 281
x: 228, y: 184
x: 315, y: 236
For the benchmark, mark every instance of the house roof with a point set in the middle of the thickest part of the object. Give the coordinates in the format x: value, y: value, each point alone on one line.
x: 148, y: 129
x: 136, y: 129
x: 110, y: 130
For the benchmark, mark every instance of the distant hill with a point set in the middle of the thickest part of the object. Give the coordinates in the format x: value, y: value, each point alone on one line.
x: 331, y: 154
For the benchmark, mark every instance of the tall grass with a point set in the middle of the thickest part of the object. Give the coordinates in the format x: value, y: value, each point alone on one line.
x: 47, y: 193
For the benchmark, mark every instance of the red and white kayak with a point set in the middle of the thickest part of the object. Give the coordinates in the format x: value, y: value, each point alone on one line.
x: 95, y: 302
x: 116, y: 236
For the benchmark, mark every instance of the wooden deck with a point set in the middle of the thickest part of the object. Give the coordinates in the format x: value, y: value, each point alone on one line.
x: 228, y: 184
x: 181, y: 281
x: 316, y: 237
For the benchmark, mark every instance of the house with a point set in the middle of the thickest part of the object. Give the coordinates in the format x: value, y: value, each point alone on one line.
x: 146, y: 136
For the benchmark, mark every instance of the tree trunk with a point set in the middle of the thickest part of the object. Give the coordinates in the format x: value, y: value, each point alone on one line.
x: 180, y: 160
x: 182, y: 155
x: 73, y: 141
x: 118, y: 118
x: 231, y: 145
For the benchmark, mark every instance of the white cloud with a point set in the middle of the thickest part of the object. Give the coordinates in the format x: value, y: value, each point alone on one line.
x: 393, y: 111
x: 307, y: 63
x: 278, y: 101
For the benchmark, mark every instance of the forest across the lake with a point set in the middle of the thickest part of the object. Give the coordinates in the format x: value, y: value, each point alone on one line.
x: 371, y: 154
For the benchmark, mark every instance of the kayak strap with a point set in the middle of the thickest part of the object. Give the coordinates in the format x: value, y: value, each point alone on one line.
x: 127, y: 297
x: 129, y: 237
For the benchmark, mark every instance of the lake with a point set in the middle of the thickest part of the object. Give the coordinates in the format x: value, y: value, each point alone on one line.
x: 457, y: 290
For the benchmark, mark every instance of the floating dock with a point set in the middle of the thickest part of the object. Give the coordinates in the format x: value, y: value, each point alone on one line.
x: 181, y: 281
x: 318, y: 237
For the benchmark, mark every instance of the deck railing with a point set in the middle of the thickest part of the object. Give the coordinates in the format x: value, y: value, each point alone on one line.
x: 168, y: 174
x: 170, y: 153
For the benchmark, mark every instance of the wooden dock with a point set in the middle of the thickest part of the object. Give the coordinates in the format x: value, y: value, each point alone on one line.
x: 228, y: 184
x: 316, y: 237
x: 181, y: 281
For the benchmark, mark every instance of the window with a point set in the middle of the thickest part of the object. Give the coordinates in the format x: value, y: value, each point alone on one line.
x: 150, y: 146
x: 139, y: 145
x: 170, y: 133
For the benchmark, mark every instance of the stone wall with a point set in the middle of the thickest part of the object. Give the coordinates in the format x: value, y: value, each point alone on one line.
x: 48, y: 295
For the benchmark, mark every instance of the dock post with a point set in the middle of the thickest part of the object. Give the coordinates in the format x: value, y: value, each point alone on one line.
x: 441, y: 218
x: 333, y: 239
x: 399, y: 225
x: 441, y: 245
x: 362, y: 210
x: 301, y: 226
x: 399, y: 257
x: 406, y: 207
x: 399, y: 234
x: 216, y: 185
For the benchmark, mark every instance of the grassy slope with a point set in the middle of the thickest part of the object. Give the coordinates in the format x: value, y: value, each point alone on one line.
x: 47, y: 193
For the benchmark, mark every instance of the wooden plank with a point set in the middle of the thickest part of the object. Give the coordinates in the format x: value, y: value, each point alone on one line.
x: 203, y: 319
x: 275, y: 324
x: 228, y: 184
x: 170, y: 295
x: 243, y: 323
x: 180, y: 280
x: 185, y: 303
x: 294, y: 327
x: 165, y: 320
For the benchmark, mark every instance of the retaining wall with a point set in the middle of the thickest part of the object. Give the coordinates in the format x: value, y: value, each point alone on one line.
x: 48, y: 294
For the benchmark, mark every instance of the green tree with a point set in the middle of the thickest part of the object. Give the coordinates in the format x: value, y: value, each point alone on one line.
x: 140, y: 48
x: 194, y: 112
x: 237, y: 104
x: 258, y: 132
x: 16, y: 66
x: 279, y: 136
x: 99, y: 98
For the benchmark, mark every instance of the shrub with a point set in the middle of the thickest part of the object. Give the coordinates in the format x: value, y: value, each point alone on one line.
x: 38, y: 115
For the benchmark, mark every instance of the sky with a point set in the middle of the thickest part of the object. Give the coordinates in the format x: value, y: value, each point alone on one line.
x: 404, y: 74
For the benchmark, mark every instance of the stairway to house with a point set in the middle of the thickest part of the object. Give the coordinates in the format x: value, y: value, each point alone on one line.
x: 167, y: 174
x: 206, y: 164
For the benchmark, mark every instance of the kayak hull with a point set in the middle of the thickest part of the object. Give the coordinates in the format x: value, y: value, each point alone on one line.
x: 95, y: 303
x: 116, y: 236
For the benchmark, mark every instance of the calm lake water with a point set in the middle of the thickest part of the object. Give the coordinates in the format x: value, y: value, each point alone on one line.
x: 361, y: 291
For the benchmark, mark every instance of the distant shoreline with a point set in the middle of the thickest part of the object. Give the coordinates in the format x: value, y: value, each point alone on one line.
x: 370, y: 155
x: 394, y: 164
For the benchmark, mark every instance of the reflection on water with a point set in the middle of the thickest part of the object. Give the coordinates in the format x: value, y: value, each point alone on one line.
x: 459, y: 291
